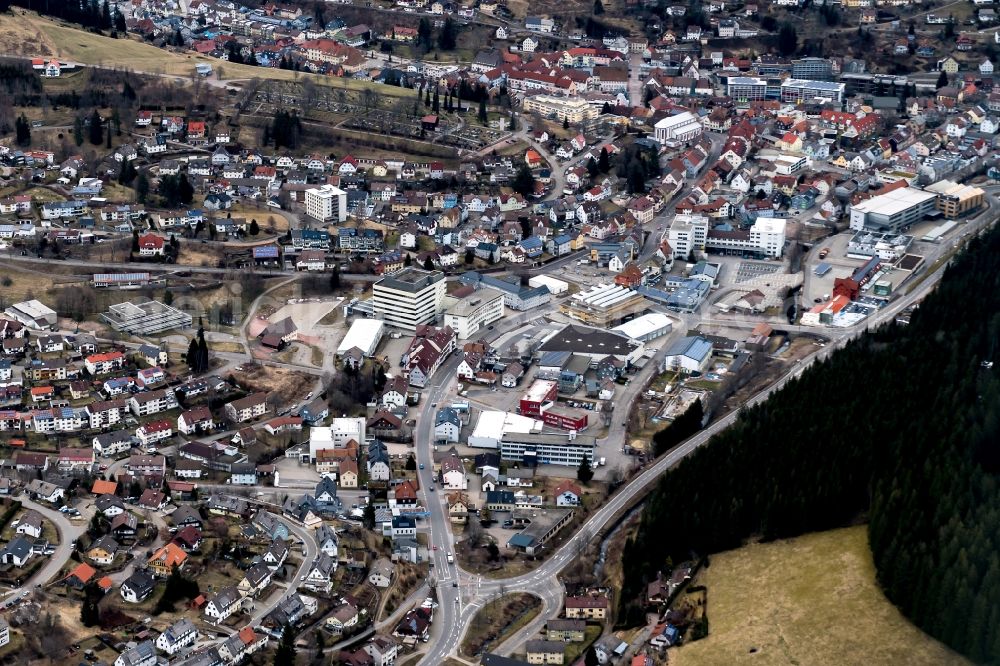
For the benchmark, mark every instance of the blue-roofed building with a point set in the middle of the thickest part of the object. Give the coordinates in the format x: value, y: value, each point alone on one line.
x: 687, y: 295
x: 360, y: 240
x: 515, y: 296
x: 447, y: 425
x: 689, y: 354
x: 488, y: 252
x: 310, y: 239
x: 266, y: 254
x: 533, y: 246
x: 560, y: 245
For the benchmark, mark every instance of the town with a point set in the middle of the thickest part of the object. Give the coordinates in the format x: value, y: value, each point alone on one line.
x: 355, y: 334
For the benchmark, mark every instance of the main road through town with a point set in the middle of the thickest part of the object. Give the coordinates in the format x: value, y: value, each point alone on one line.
x: 461, y: 594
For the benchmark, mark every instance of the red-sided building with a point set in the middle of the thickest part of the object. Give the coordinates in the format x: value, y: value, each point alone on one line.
x: 541, y: 392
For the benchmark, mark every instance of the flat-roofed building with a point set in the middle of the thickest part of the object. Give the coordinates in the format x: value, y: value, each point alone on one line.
x: 955, y: 199
x: 605, y: 305
x: 534, y: 449
x: 120, y: 280
x: 746, y: 88
x: 804, y: 90
x: 409, y: 298
x: 145, y: 317
x: 764, y: 240
x: 365, y: 334
x: 326, y: 204
x: 574, y: 109
x: 472, y: 313
x: 894, y: 211
x: 492, y: 426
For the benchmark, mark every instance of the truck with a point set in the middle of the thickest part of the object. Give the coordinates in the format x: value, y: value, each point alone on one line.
x: 603, y: 461
x: 822, y: 253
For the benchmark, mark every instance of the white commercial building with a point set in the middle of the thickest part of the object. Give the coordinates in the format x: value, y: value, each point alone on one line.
x: 409, y: 298
x: 555, y: 286
x: 647, y: 327
x: 802, y: 90
x: 336, y: 435
x: 765, y: 239
x: 469, y: 315
x: 493, y: 425
x: 33, y: 314
x: 678, y: 128
x: 145, y: 318
x: 326, y: 203
x: 687, y: 233
x: 365, y: 334
x: 894, y: 211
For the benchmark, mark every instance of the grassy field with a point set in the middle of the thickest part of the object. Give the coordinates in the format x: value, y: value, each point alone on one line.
x: 499, y: 619
x: 28, y: 34
x: 810, y: 600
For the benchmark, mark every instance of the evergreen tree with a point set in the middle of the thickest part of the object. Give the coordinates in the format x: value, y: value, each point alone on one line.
x: 368, y: 517
x: 22, y: 131
x: 598, y: 7
x: 436, y: 105
x: 254, y: 228
x: 942, y: 80
x: 428, y: 264
x: 96, y: 129
x: 592, y: 168
x: 448, y: 35
x: 285, y: 654
x: 584, y: 473
x: 192, y: 355
x: 335, y: 277
x: 482, y: 111
x: 78, y: 130
x: 425, y: 37
x: 590, y: 659
x: 120, y: 26
x: 524, y: 181
x: 512, y: 125
x: 604, y: 161
x: 127, y: 174
x: 142, y: 187
x: 788, y: 39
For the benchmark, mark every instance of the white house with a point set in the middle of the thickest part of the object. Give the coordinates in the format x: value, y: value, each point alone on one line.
x: 177, y: 636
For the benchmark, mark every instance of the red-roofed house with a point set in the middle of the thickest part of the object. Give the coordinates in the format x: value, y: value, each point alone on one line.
x: 150, y: 245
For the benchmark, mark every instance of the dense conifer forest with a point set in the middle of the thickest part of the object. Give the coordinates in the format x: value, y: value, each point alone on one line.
x: 902, y: 429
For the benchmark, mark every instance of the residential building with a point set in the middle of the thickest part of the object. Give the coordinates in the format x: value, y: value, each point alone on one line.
x: 326, y: 204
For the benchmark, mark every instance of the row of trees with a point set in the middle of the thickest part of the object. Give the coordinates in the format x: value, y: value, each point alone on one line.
x: 902, y: 425
x: 88, y: 13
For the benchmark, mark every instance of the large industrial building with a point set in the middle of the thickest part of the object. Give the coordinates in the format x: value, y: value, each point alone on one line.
x: 647, y: 327
x: 894, y: 211
x: 605, y: 305
x: 409, y: 298
x: 555, y: 287
x: 548, y: 449
x: 365, y: 334
x: 145, y: 317
x: 954, y: 199
x: 470, y: 314
x: 594, y: 343
x: 764, y: 240
x: 34, y: 314
x: 492, y: 426
x: 679, y: 128
x: 326, y: 203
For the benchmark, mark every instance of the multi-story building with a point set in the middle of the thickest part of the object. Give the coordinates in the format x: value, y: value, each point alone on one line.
x: 765, y: 239
x: 152, y: 402
x: 575, y: 110
x: 746, y: 88
x: 894, y: 211
x: 955, y: 199
x: 469, y: 315
x: 687, y: 234
x: 326, y: 203
x: 547, y: 449
x: 248, y: 408
x: 812, y: 69
x: 804, y: 90
x: 99, y: 364
x: 409, y: 298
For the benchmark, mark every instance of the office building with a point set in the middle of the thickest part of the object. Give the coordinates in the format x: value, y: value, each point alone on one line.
x: 812, y: 69
x: 804, y: 90
x: 764, y: 240
x: 894, y: 211
x: 954, y: 199
x: 326, y: 203
x: 547, y: 449
x: 409, y: 298
x: 145, y: 318
x: 679, y: 128
x: 470, y: 314
x: 746, y: 88
x: 687, y: 234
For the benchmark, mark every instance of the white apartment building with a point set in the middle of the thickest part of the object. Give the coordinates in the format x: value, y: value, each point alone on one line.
x: 572, y: 109
x: 467, y: 316
x: 326, y: 203
x: 687, y: 233
x: 336, y: 435
x: 409, y: 298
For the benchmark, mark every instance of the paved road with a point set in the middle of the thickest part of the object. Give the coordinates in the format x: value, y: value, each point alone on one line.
x: 544, y: 581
